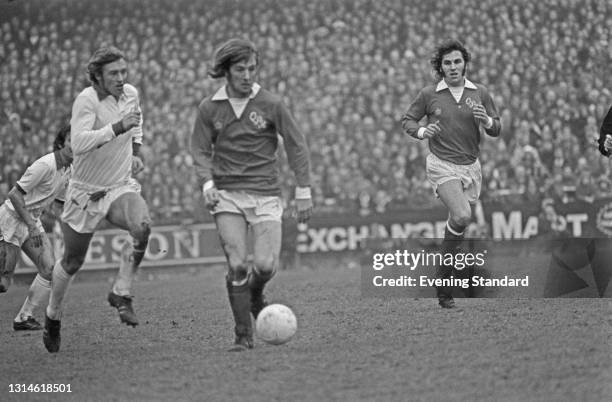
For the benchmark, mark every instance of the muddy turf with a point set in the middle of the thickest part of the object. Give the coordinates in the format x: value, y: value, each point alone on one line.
x: 347, y: 347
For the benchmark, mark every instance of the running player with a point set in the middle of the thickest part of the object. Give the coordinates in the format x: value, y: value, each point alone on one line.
x: 458, y: 111
x: 43, y: 183
x: 106, y: 138
x: 234, y: 145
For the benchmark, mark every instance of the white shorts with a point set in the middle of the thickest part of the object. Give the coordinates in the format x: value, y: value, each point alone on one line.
x: 255, y: 208
x: 14, y: 230
x: 439, y: 172
x: 84, y: 215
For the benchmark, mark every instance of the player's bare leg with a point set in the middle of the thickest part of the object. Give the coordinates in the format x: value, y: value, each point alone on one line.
x: 267, y: 246
x: 233, y: 232
x: 9, y: 253
x: 129, y: 212
x: 460, y: 214
x: 38, y: 294
x: 75, y: 249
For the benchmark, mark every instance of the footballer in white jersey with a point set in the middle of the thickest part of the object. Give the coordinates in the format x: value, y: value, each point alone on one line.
x: 43, y: 182
x: 106, y: 137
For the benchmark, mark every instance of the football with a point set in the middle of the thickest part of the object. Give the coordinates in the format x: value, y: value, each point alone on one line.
x: 276, y: 324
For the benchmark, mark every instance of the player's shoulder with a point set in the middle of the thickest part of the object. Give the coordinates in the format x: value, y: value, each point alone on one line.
x: 479, y: 86
x: 429, y: 90
x: 47, y: 159
x: 44, y: 164
x: 267, y: 95
x: 87, y: 93
x: 206, y: 104
x: 207, y: 100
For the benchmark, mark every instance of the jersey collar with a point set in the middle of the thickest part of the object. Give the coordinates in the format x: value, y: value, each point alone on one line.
x: 221, y: 94
x: 103, y: 94
x: 442, y: 85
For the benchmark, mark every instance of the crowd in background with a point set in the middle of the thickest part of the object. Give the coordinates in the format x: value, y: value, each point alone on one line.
x: 348, y: 70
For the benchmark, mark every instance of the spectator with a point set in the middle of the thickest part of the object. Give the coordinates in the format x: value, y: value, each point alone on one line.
x: 354, y: 64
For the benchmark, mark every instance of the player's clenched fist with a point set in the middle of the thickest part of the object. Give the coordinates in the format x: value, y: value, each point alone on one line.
x: 211, y: 196
x: 608, y: 142
x: 480, y: 114
x: 431, y: 130
x: 303, y: 209
x: 131, y: 120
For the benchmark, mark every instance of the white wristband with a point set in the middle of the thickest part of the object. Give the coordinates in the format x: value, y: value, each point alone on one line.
x: 421, y: 133
x: 208, y: 185
x: 302, y: 193
x: 489, y: 123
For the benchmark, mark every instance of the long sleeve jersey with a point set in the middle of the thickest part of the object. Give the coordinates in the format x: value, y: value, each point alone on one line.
x: 102, y: 159
x: 459, y: 139
x: 239, y: 152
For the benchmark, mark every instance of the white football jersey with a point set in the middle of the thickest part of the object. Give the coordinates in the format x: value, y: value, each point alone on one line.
x: 42, y: 183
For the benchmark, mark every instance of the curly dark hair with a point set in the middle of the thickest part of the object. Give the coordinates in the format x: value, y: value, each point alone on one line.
x: 60, y: 137
x: 442, y: 50
x: 102, y: 56
x: 231, y: 52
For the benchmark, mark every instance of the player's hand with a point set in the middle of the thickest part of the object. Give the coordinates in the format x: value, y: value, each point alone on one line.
x: 211, y: 197
x: 35, y: 236
x: 480, y: 114
x: 303, y: 209
x: 608, y: 142
x: 137, y: 165
x: 431, y: 130
x: 131, y: 120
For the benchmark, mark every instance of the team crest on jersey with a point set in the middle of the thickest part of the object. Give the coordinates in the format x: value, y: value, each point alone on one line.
x: 471, y: 102
x: 218, y: 125
x: 257, y: 120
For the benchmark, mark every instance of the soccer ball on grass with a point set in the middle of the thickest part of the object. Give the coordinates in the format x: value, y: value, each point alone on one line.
x: 276, y: 324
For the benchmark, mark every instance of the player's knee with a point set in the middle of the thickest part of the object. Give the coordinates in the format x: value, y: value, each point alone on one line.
x: 141, y: 235
x: 5, y: 283
x: 461, y: 219
x: 235, y: 256
x: 71, y: 264
x: 237, y: 264
x: 5, y: 280
x: 266, y: 265
x: 46, y: 270
x: 8, y: 262
x: 238, y: 272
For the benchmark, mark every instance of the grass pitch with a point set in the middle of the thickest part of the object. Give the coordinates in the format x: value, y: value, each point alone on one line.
x: 347, y: 347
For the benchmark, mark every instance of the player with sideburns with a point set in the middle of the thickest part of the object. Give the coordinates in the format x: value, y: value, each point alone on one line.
x: 234, y: 145
x: 106, y: 137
